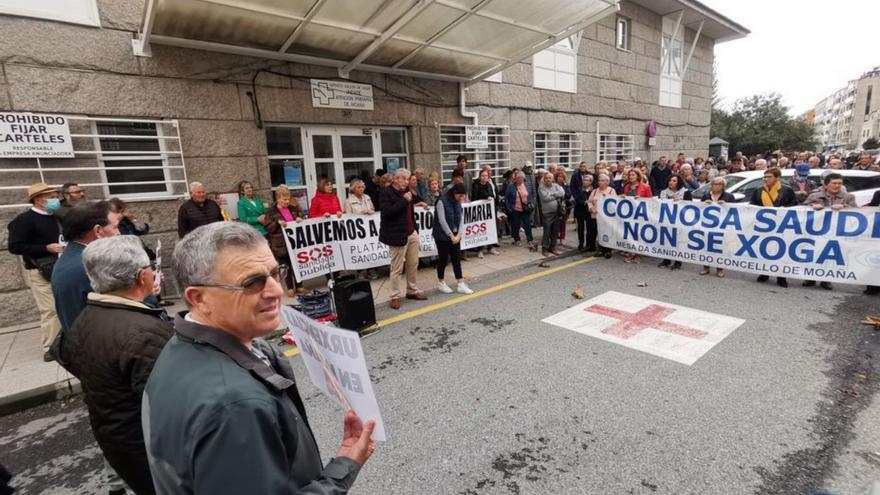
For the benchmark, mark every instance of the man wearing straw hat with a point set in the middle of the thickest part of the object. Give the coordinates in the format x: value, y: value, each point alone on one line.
x: 35, y: 235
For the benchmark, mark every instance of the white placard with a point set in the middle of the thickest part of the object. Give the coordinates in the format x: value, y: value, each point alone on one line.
x: 335, y: 361
x: 31, y: 135
x: 476, y: 137
x: 341, y: 94
x: 319, y: 246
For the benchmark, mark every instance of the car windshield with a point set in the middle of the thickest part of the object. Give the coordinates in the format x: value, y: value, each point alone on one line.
x: 729, y: 180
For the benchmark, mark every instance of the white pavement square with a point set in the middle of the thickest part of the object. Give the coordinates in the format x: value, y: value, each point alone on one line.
x: 662, y: 329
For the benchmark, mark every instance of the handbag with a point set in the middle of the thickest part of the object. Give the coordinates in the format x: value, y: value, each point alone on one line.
x: 527, y: 207
x: 45, y: 265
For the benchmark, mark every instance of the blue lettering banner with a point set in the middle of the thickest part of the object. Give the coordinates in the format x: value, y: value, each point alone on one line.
x: 825, y: 245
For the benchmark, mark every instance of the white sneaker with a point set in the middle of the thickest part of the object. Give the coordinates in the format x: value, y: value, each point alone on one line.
x: 442, y: 287
x: 494, y: 251
x: 480, y: 255
x: 463, y: 288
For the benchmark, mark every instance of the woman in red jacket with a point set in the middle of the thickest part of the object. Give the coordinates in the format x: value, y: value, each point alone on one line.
x: 636, y: 188
x: 325, y: 202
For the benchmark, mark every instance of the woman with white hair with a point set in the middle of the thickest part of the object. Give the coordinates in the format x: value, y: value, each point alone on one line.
x: 717, y: 195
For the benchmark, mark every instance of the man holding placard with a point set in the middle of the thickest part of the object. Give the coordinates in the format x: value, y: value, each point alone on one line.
x: 221, y: 411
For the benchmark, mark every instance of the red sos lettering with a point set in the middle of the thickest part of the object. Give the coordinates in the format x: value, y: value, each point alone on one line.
x: 314, y: 254
x: 475, y: 229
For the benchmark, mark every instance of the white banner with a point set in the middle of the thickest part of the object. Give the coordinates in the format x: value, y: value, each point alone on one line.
x: 319, y: 246
x: 29, y: 135
x: 341, y: 94
x: 335, y: 361
x: 826, y: 245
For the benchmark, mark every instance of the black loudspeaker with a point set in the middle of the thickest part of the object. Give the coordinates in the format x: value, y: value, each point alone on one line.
x: 354, y: 303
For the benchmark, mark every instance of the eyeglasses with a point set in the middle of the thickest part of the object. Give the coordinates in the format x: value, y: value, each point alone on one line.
x: 253, y: 285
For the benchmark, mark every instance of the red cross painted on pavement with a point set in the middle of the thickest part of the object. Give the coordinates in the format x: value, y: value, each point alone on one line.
x: 631, y: 324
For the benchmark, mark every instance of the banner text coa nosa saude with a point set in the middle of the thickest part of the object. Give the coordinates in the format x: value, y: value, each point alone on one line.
x: 825, y: 245
x: 319, y: 246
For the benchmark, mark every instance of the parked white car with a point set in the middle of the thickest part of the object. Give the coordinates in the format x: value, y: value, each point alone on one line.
x: 742, y: 185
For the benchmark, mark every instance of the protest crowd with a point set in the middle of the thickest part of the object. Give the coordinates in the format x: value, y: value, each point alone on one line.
x: 237, y: 407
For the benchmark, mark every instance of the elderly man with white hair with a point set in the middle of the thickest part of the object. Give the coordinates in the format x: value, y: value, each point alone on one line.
x: 400, y: 232
x: 112, y: 347
x: 760, y: 164
x: 197, y: 211
x: 221, y: 410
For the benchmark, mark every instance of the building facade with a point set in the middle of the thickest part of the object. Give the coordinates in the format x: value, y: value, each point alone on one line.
x: 145, y: 126
x: 842, y: 118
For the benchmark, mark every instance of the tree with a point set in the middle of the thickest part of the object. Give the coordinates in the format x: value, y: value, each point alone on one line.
x: 871, y: 143
x: 760, y: 124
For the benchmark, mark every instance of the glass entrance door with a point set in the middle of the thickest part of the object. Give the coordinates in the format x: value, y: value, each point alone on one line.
x: 339, y: 154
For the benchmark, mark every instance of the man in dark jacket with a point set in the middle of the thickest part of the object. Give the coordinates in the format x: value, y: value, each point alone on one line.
x: 774, y: 194
x: 85, y: 223
x: 197, y: 211
x: 221, y: 410
x: 35, y: 235
x: 659, y: 175
x: 111, y: 349
x: 399, y: 230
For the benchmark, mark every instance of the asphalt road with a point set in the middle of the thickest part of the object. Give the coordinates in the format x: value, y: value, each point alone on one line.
x: 482, y: 397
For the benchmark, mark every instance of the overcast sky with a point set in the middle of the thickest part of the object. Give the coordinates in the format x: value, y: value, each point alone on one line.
x: 804, y: 50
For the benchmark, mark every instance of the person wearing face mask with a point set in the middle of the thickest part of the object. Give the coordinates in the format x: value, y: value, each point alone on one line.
x: 35, y: 235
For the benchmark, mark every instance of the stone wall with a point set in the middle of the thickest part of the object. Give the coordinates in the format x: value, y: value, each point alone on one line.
x: 617, y: 91
x: 59, y: 68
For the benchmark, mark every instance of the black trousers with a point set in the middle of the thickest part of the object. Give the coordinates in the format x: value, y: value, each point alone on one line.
x: 592, y: 232
x: 446, y: 250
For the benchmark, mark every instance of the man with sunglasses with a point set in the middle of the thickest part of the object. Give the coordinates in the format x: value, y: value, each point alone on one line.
x: 111, y: 349
x: 221, y: 410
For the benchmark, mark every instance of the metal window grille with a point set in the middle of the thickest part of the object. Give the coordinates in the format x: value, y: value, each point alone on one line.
x: 133, y: 159
x: 452, y: 144
x: 561, y: 148
x: 614, y: 147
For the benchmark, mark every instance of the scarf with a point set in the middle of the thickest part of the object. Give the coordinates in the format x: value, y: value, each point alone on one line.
x: 768, y: 198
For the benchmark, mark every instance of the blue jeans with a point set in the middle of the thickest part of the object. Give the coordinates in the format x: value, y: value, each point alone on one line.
x: 518, y: 218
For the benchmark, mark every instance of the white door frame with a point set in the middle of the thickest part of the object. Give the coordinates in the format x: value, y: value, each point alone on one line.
x: 338, y: 161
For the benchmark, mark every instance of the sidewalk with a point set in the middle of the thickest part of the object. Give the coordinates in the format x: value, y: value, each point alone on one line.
x: 25, y: 380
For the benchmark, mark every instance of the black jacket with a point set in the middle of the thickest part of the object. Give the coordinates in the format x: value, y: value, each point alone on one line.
x: 112, y: 347
x: 191, y: 216
x: 30, y: 233
x: 725, y: 196
x: 784, y: 199
x: 875, y: 200
x: 393, y: 228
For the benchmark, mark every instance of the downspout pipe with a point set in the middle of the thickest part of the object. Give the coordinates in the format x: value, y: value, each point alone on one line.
x: 462, y: 99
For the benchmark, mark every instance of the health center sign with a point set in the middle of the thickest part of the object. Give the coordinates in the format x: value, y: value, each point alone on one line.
x: 30, y: 135
x: 319, y: 246
x: 825, y: 245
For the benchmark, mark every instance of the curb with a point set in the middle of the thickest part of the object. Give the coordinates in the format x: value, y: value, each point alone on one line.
x: 40, y: 395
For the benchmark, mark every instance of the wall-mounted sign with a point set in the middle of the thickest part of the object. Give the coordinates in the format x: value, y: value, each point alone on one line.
x: 341, y: 94
x: 30, y: 135
x: 476, y: 137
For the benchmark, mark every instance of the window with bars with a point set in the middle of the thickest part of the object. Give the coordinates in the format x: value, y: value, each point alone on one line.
x: 126, y: 145
x: 561, y: 148
x: 614, y: 147
x: 452, y: 144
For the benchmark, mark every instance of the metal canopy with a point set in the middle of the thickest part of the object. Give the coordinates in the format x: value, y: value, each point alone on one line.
x: 453, y: 40
x: 695, y: 15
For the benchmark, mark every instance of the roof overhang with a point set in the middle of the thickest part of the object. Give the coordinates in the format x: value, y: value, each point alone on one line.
x: 715, y: 25
x: 452, y: 40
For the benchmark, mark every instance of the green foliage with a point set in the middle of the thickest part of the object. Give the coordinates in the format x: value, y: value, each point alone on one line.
x: 761, y: 124
x: 871, y: 143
